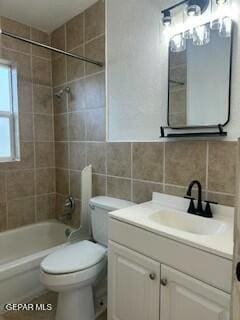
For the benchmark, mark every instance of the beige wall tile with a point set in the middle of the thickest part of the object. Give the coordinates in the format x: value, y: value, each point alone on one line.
x: 59, y: 40
x: 42, y: 99
x: 222, y: 166
x: 22, y: 63
x: 20, y: 184
x: 119, y: 188
x: 59, y: 104
x: 77, y: 156
x: 77, y: 126
x: 185, y: 161
x: 95, y: 91
x: 148, y: 161
x: 26, y: 126
x: 75, y: 31
x: 44, y: 38
x: 95, y: 50
x: 21, y: 212
x: 18, y: 29
x: 3, y: 216
x: 46, y: 207
x: 75, y: 184
x: 95, y: 125
x: 2, y: 187
x: 61, y: 153
x: 44, y: 153
x: 61, y: 127
x: 76, y: 100
x: 99, y: 185
x: 45, y: 181
x: 75, y: 68
x: 142, y: 191
x: 42, y: 71
x: 43, y: 127
x: 59, y: 72
x: 95, y: 20
x: 224, y: 199
x: 119, y: 159
x: 76, y: 217
x: 96, y: 156
x: 25, y: 96
x: 62, y: 181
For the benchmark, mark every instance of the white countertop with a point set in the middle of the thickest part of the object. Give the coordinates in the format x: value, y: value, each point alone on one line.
x: 220, y: 244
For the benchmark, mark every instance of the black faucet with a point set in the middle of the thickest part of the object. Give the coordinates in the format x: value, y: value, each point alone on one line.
x: 199, y: 209
x: 207, y: 213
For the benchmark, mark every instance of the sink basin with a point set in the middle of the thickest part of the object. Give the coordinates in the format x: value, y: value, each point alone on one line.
x: 187, y: 222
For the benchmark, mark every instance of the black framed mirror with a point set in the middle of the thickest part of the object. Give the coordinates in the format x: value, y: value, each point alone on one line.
x: 199, y: 77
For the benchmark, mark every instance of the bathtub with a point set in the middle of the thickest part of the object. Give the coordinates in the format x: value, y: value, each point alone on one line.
x: 21, y: 251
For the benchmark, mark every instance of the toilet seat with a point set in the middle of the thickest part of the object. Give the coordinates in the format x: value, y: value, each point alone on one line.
x: 74, y: 258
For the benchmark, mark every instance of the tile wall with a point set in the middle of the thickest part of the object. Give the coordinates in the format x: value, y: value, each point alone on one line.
x: 27, y: 187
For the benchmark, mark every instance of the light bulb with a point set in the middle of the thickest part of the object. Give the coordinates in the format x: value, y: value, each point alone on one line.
x: 167, y: 20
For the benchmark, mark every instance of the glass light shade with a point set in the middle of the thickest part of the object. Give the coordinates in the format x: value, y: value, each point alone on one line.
x: 226, y: 27
x: 178, y: 43
x: 201, y: 35
x: 188, y: 34
x: 193, y: 10
x: 216, y: 24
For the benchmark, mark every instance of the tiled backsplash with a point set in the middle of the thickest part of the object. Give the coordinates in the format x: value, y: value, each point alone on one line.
x: 125, y: 170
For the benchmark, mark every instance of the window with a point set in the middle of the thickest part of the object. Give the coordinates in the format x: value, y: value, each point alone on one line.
x: 9, y: 143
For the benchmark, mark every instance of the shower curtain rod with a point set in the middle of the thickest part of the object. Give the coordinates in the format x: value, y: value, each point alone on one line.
x: 35, y: 43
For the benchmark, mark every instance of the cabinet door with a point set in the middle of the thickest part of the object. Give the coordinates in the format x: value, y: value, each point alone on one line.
x: 185, y: 298
x: 133, y: 285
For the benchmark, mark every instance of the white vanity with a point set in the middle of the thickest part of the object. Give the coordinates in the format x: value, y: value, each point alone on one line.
x: 170, y: 265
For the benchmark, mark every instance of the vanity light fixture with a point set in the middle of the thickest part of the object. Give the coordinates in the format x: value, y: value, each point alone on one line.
x: 167, y: 20
x: 193, y: 8
x: 221, y: 2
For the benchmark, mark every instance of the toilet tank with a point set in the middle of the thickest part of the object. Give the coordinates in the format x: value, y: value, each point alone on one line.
x: 99, y: 209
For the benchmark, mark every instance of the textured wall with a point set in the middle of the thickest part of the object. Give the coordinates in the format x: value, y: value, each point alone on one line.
x: 27, y: 187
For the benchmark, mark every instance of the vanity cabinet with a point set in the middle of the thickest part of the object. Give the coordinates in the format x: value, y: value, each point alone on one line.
x: 133, y: 286
x: 183, y: 297
x: 143, y: 289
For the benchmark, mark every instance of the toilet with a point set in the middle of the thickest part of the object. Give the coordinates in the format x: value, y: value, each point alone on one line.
x: 72, y: 270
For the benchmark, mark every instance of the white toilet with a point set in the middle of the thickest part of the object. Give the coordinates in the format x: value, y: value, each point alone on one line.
x: 72, y: 270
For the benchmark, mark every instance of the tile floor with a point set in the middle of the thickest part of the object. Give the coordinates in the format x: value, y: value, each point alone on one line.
x: 39, y: 315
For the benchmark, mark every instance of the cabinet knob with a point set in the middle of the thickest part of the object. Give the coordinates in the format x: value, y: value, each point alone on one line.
x: 152, y: 276
x: 164, y: 282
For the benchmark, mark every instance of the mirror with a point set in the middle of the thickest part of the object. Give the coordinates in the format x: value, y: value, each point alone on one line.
x: 199, y: 79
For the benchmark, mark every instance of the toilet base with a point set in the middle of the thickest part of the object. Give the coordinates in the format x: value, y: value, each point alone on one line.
x: 76, y: 305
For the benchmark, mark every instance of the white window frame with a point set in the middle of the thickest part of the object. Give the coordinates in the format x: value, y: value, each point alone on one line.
x: 12, y: 115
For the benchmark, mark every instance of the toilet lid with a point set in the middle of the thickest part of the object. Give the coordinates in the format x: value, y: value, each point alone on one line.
x: 74, y: 257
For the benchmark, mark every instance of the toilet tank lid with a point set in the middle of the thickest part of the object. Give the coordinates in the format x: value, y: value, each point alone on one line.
x: 109, y: 203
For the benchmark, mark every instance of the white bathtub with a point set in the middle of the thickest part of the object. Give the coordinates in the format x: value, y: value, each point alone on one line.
x: 21, y: 251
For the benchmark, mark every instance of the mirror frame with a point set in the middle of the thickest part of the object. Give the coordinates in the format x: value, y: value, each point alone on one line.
x: 229, y: 95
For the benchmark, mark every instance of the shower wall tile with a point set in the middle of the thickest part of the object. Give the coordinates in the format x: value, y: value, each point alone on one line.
x: 59, y: 70
x: 20, y: 184
x: 15, y: 28
x: 42, y: 99
x: 75, y: 184
x: 58, y: 40
x: 77, y: 130
x: 75, y: 68
x: 95, y: 20
x: 76, y: 100
x: 43, y: 127
x: 77, y: 154
x: 46, y: 207
x: 44, y: 38
x: 21, y: 181
x: 3, y: 216
x: 20, y: 212
x: 96, y: 124
x: 59, y: 104
x: 95, y: 49
x: 62, y: 181
x: 96, y: 156
x: 119, y: 159
x: 42, y: 71
x: 75, y: 31
x: 119, y: 188
x: 22, y: 62
x: 99, y: 185
x: 95, y: 91
x: 62, y: 154
x: 44, y: 153
x: 61, y: 127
